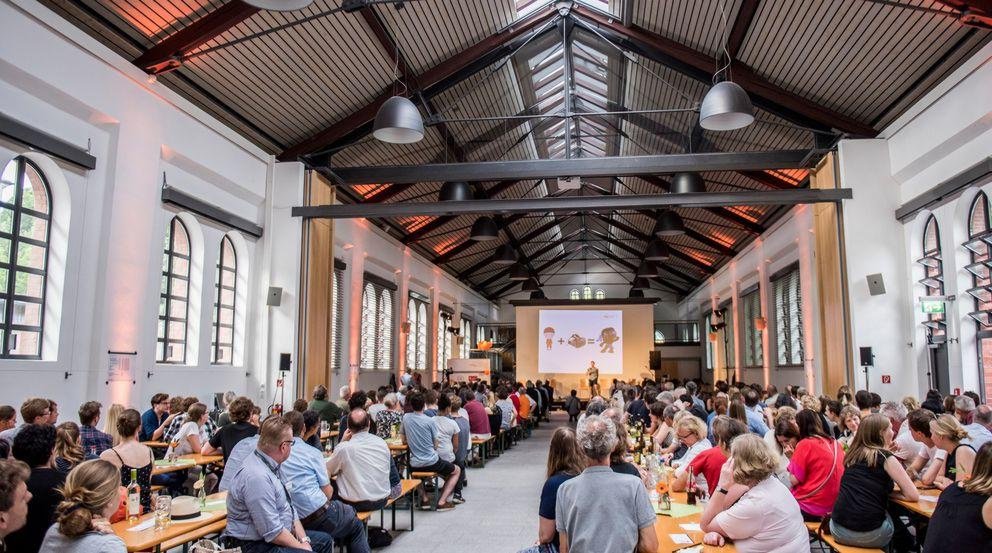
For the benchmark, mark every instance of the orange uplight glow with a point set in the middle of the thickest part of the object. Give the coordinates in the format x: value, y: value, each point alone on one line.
x: 445, y: 245
x: 749, y: 213
x: 722, y: 237
x: 795, y: 176
x: 415, y: 223
x: 367, y: 190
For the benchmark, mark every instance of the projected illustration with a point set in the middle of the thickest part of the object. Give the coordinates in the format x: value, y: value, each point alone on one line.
x: 574, y: 338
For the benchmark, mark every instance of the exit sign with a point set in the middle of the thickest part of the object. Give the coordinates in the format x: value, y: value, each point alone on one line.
x: 932, y: 307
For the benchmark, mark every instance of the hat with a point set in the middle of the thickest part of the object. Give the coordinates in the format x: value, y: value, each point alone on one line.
x: 185, y: 507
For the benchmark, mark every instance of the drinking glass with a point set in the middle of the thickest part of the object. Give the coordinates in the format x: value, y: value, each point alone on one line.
x: 163, y: 512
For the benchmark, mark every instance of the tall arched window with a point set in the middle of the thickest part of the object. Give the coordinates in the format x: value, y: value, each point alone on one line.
x: 384, y: 331
x: 465, y: 331
x: 369, y: 318
x: 979, y: 236
x: 443, y: 339
x: 173, y: 305
x: 422, y: 329
x: 25, y: 222
x: 416, y: 339
x: 222, y: 344
x: 413, y: 320
x: 933, y: 279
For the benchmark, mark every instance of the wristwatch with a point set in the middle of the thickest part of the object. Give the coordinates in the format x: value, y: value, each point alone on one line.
x: 722, y: 490
x: 305, y: 539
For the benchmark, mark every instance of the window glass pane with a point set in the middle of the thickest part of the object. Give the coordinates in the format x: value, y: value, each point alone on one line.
x: 27, y: 342
x: 228, y: 278
x: 225, y: 355
x: 225, y: 335
x: 180, y: 243
x: 33, y: 227
x: 177, y: 309
x: 177, y: 330
x: 180, y: 288
x: 4, y: 250
x: 176, y: 353
x: 8, y: 182
x: 161, y: 307
x: 227, y: 316
x: 26, y: 313
x: 161, y: 329
x: 29, y: 255
x: 3, y: 281
x: 226, y: 296
x: 34, y: 194
x: 180, y: 267
x: 6, y: 220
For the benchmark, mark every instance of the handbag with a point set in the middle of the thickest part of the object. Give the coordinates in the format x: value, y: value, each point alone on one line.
x: 540, y: 548
x: 833, y: 466
x: 210, y: 546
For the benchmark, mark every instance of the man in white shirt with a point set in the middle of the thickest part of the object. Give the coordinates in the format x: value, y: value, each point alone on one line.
x: 918, y: 421
x: 361, y: 464
x: 907, y: 448
x: 447, y: 430
x: 978, y: 435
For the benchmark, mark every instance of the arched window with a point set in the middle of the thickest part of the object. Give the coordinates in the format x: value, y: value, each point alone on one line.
x: 573, y: 294
x: 222, y: 346
x: 384, y: 331
x: 25, y: 222
x: 979, y: 237
x: 173, y: 305
x: 369, y: 319
x: 586, y: 292
x: 465, y: 332
x: 416, y: 339
x: 443, y: 339
x: 933, y: 279
x: 600, y: 294
x: 411, y: 336
x: 422, y: 329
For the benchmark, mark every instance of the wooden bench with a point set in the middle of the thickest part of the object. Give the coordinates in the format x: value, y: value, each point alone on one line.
x: 814, y: 530
x: 432, y: 476
x: 483, y: 447
x: 191, y: 536
x: 407, y: 487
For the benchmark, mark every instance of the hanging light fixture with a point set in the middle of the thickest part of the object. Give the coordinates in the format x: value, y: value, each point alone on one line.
x: 657, y: 251
x: 687, y: 183
x: 484, y: 229
x: 641, y: 283
x: 519, y: 272
x: 504, y: 255
x: 646, y: 270
x: 456, y: 191
x: 726, y: 106
x: 398, y: 121
x: 530, y: 285
x: 279, y: 5
x: 670, y: 224
x: 538, y: 295
x: 635, y: 293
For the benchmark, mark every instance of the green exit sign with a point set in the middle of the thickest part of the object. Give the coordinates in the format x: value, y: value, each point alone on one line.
x: 932, y: 307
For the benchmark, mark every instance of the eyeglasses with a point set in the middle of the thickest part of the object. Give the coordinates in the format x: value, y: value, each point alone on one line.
x: 681, y: 437
x: 290, y: 442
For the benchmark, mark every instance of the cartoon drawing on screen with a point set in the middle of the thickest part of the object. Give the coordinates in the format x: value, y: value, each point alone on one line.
x: 549, y: 337
x: 608, y: 337
x: 576, y: 341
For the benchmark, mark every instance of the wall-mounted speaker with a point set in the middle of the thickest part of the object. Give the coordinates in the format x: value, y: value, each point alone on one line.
x: 285, y: 360
x: 274, y: 298
x: 867, y: 358
x: 876, y: 286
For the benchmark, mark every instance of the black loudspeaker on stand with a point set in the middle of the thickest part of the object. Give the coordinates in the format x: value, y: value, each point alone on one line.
x: 867, y: 360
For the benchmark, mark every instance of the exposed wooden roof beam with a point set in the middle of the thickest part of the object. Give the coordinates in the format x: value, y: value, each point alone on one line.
x: 721, y: 212
x: 738, y: 32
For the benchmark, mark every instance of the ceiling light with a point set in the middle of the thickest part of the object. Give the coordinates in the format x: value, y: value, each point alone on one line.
x: 398, y: 121
x: 519, y: 272
x: 484, y: 229
x: 538, y: 295
x: 670, y: 224
x: 725, y: 107
x: 635, y: 293
x: 657, y: 251
x: 456, y: 191
x: 641, y: 283
x: 530, y: 285
x: 279, y: 5
x: 646, y: 270
x: 504, y: 255
x: 687, y: 183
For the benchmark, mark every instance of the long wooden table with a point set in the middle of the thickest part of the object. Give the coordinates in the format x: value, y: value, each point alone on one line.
x: 665, y: 526
x: 197, y: 459
x: 922, y: 507
x: 150, y: 539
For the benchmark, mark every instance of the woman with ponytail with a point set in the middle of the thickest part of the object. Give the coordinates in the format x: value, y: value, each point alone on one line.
x: 82, y: 524
x: 953, y: 460
x: 68, y: 447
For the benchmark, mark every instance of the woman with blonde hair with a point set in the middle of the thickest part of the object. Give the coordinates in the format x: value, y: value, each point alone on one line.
x: 82, y: 524
x: 752, y: 507
x: 850, y: 418
x: 565, y: 461
x: 911, y: 403
x: 860, y: 515
x: 68, y: 447
x: 952, y: 460
x: 110, y: 425
x: 962, y: 520
x: 691, y: 432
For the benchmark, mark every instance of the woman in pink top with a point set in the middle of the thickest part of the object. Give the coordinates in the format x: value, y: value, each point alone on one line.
x: 816, y: 467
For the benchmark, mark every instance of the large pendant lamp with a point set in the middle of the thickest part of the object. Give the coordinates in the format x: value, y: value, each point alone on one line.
x: 456, y: 191
x: 538, y: 295
x: 670, y: 224
x: 504, y: 255
x: 646, y: 270
x: 641, y: 283
x: 484, y: 229
x: 279, y: 5
x: 519, y: 272
x: 530, y: 285
x: 726, y: 107
x: 687, y: 183
x: 635, y: 293
x: 398, y: 121
x: 657, y: 251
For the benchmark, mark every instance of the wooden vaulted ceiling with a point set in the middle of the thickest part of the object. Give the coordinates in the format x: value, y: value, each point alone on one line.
x: 310, y: 92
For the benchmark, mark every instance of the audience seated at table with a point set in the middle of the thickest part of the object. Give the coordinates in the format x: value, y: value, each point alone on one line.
x: 131, y: 454
x: 313, y: 496
x: 709, y: 462
x: 95, y: 441
x: 602, y: 510
x: 962, y: 520
x: 239, y: 428
x: 964, y: 411
x: 69, y: 450
x: 14, y: 498
x: 508, y: 413
x: 362, y: 466
x: 460, y: 416
x: 565, y: 461
x: 190, y: 436
x: 388, y: 420
x: 952, y: 460
x: 207, y: 430
x: 815, y: 468
x: 478, y: 419
x: 751, y: 506
x: 34, y: 410
x: 357, y: 400
x: 419, y: 433
x: 155, y: 420
x: 110, y: 423
x: 691, y: 433
x: 35, y: 446
x: 91, y: 498
x: 260, y: 516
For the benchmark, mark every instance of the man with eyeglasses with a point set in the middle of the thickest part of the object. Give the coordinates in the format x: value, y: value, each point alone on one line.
x: 260, y: 514
x: 155, y: 420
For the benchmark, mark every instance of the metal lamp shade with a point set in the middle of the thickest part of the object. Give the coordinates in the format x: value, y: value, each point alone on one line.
x: 398, y: 121
x: 641, y: 283
x: 530, y: 286
x: 279, y: 5
x: 726, y: 107
x: 519, y: 272
x: 670, y: 224
x: 646, y: 270
x: 504, y: 255
x: 456, y: 191
x: 484, y: 229
x: 635, y: 293
x: 687, y: 183
x: 538, y: 295
x: 657, y: 251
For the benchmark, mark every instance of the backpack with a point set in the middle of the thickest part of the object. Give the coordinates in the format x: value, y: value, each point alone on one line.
x: 379, y: 537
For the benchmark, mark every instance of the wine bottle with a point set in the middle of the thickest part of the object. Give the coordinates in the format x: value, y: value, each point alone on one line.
x: 133, y: 497
x: 690, y: 489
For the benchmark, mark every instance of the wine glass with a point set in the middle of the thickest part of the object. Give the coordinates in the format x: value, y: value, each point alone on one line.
x: 163, y: 512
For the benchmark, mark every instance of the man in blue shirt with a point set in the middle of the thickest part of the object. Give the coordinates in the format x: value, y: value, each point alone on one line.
x: 311, y: 493
x: 155, y: 420
x: 755, y: 421
x: 260, y: 515
x: 419, y: 433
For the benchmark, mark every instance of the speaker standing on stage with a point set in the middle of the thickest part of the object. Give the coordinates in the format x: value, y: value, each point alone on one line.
x: 593, y: 374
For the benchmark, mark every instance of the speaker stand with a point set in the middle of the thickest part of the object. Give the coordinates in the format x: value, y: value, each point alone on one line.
x: 865, y: 368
